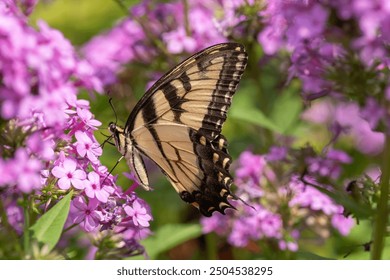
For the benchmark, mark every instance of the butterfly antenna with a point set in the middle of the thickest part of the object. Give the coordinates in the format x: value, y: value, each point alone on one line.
x: 113, y: 109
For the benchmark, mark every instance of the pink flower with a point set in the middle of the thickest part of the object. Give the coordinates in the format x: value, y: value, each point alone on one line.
x: 93, y: 188
x: 343, y: 224
x: 178, y: 41
x: 138, y: 213
x: 86, y: 214
x: 85, y: 146
x: 288, y: 245
x: 69, y: 174
x: 87, y: 118
x: 25, y: 171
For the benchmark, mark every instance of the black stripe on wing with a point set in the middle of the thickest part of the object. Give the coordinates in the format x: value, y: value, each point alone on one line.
x: 208, y: 80
x: 214, y: 161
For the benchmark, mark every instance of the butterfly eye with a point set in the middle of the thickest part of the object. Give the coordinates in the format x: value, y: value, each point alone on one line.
x: 112, y: 127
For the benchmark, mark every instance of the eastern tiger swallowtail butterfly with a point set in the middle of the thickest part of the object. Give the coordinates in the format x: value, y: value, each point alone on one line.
x: 178, y: 122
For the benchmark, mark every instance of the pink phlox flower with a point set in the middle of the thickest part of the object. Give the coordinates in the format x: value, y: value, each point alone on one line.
x: 40, y: 146
x: 68, y: 175
x: 177, y: 41
x: 15, y: 217
x: 217, y: 223
x: 306, y: 23
x: 85, y: 72
x: 87, y: 118
x: 276, y: 153
x: 138, y: 213
x: 94, y: 189
x: 240, y: 235
x: 251, y: 166
x: 85, y: 214
x: 25, y: 170
x: 313, y: 199
x: 268, y: 223
x: 86, y: 146
x: 136, y: 233
x: 343, y: 224
x: 288, y: 245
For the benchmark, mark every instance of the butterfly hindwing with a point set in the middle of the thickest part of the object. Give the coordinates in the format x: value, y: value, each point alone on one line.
x: 178, y: 122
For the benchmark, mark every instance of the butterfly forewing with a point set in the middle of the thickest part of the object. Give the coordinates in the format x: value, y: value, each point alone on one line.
x: 178, y: 123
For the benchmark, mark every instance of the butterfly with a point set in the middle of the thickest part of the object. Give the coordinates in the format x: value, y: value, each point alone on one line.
x: 177, y: 124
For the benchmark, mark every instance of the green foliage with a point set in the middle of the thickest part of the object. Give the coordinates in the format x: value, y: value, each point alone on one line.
x: 170, y: 236
x: 81, y: 23
x: 263, y: 108
x: 48, y: 228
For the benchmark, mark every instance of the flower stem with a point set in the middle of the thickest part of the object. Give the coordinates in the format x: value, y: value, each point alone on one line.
x: 211, y: 246
x: 186, y: 20
x: 69, y: 228
x: 381, y: 217
x: 26, y: 226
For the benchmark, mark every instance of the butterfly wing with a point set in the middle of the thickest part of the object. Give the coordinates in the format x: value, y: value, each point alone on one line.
x: 178, y: 125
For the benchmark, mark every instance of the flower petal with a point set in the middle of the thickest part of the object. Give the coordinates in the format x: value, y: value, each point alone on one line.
x: 58, y: 171
x: 70, y: 165
x: 79, y: 174
x: 78, y: 184
x: 64, y: 183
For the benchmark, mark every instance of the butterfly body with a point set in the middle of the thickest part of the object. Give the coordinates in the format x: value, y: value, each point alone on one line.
x: 178, y: 122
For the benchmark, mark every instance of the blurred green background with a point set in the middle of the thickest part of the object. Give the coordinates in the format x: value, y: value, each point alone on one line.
x: 261, y: 107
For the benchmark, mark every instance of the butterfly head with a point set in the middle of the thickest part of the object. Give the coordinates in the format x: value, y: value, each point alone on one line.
x: 119, y: 136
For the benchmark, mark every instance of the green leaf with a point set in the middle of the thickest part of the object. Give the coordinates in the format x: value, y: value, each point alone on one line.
x: 255, y: 116
x: 169, y: 236
x: 245, y: 109
x: 286, y: 111
x: 48, y: 228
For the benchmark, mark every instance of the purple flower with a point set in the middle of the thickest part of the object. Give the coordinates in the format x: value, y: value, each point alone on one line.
x: 39, y: 146
x: 239, y: 235
x: 68, y: 175
x: 138, y: 213
x: 343, y: 224
x: 251, y: 166
x: 329, y: 165
x: 348, y: 120
x: 87, y: 118
x: 306, y: 23
x: 85, y: 214
x: 372, y: 112
x: 309, y: 197
x: 41, y: 75
x: 276, y: 153
x: 177, y: 41
x: 348, y: 116
x: 216, y: 223
x: 108, y: 52
x: 86, y: 146
x: 288, y: 245
x: 269, y: 224
x: 93, y: 188
x: 15, y: 217
x: 25, y: 171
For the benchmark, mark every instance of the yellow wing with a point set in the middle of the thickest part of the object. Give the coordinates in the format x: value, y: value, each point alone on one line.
x: 178, y: 123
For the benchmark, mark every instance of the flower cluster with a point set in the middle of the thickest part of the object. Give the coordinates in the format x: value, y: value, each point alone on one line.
x: 300, y: 26
x: 272, y: 199
x: 349, y: 120
x: 48, y: 144
x: 329, y: 39
x: 154, y: 28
